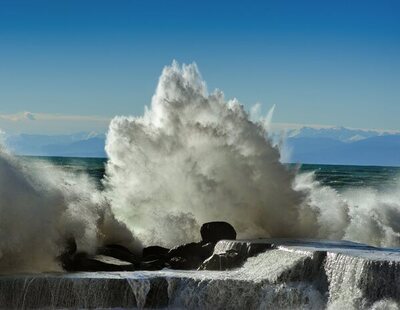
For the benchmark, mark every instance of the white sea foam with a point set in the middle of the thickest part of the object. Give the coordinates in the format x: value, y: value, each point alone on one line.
x: 192, y: 157
x: 195, y: 157
x: 41, y: 207
x: 359, y: 214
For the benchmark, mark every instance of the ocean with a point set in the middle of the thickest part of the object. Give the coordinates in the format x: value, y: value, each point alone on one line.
x: 339, y: 177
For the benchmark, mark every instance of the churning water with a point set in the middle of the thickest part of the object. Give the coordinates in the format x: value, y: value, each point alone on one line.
x: 195, y: 157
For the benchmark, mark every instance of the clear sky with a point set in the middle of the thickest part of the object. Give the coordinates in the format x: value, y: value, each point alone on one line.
x: 321, y: 62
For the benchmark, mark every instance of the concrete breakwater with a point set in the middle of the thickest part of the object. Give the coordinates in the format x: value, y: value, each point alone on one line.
x: 288, y: 273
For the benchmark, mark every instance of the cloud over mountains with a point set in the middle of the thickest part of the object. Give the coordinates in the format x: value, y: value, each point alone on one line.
x: 38, y: 123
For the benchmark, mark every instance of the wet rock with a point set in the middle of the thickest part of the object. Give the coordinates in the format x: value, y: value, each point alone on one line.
x: 156, y: 264
x: 256, y: 248
x: 119, y: 252
x: 207, y: 250
x: 84, y: 262
x: 109, y: 258
x: 215, y: 231
x: 184, y: 263
x: 243, y: 247
x: 224, y: 261
x: 154, y: 252
x: 197, y: 249
x: 232, y: 254
x: 190, y: 255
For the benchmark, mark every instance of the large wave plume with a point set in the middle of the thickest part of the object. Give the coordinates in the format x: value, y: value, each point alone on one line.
x: 195, y: 157
x: 192, y: 157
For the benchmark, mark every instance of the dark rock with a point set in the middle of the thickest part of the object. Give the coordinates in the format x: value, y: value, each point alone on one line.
x: 190, y: 255
x: 83, y: 262
x: 154, y: 252
x: 184, y: 250
x: 206, y: 250
x: 215, y: 231
x: 111, y: 257
x: 156, y: 264
x: 198, y: 249
x: 119, y: 252
x: 185, y: 263
x: 67, y: 257
x: 257, y: 248
x: 235, y: 256
x: 228, y: 260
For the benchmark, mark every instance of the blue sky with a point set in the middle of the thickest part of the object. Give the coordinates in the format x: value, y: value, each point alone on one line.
x: 321, y: 62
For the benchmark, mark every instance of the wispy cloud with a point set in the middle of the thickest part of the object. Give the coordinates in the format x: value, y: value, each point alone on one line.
x: 29, y: 116
x: 18, y: 117
x: 46, y: 123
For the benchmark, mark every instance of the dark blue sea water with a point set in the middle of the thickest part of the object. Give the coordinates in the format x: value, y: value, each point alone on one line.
x: 336, y: 176
x: 339, y: 176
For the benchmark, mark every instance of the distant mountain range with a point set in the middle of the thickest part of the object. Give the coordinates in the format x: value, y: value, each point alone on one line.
x: 338, y: 133
x: 344, y: 146
x: 335, y: 145
x: 75, y: 145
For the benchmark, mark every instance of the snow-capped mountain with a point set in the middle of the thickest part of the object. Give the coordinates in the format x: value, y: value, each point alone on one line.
x: 340, y: 145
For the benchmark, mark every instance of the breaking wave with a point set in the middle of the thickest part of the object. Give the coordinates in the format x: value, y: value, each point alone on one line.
x: 41, y: 207
x: 195, y: 157
x: 192, y: 157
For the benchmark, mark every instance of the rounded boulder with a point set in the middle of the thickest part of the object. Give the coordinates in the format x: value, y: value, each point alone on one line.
x: 215, y: 231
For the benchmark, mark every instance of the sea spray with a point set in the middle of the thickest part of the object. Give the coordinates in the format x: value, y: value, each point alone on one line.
x: 363, y: 215
x: 194, y: 157
x: 41, y: 207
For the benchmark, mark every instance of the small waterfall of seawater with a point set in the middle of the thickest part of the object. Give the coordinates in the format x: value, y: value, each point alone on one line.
x: 361, y: 283
x: 80, y: 290
x: 285, y: 276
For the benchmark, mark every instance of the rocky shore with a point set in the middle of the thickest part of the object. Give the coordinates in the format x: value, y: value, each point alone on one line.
x: 190, y: 256
x: 262, y: 273
x: 217, y: 272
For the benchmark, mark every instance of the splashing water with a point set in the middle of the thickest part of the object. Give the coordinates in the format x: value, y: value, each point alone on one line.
x: 41, y: 207
x: 192, y: 157
x: 195, y: 157
x: 358, y: 214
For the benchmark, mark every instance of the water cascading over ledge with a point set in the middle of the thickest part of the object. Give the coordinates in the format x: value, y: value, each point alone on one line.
x: 290, y: 273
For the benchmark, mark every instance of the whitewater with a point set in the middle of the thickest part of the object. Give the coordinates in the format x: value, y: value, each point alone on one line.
x: 192, y: 157
x: 195, y: 157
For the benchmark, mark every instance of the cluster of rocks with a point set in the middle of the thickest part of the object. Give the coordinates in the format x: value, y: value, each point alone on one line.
x: 190, y: 256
